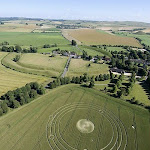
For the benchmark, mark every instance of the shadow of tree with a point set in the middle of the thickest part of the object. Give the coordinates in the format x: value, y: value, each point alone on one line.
x: 146, y: 89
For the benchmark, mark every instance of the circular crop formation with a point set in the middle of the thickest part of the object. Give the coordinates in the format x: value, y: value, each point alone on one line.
x: 85, y: 126
x: 81, y: 126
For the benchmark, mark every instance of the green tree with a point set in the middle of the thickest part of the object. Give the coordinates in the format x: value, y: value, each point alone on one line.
x: 73, y: 80
x: 119, y: 94
x: 16, y: 59
x: 41, y: 90
x: 91, y: 85
x: 18, y: 49
x: 1, y: 112
x: 115, y: 88
x: 77, y: 80
x: 111, y: 75
x: 90, y: 57
x: 101, y: 77
x: 33, y: 93
x: 34, y: 85
x: 74, y: 43
x: 96, y: 78
x: 4, y: 107
x: 118, y: 83
x: 85, y: 77
x: 15, y: 104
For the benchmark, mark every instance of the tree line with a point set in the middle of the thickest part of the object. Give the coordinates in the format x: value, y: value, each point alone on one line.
x: 4, y: 43
x: 49, y: 46
x: 147, y: 47
x: 20, y: 96
x: 18, y: 49
x: 76, y: 80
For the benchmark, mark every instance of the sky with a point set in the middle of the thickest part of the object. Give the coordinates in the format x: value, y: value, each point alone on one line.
x: 98, y: 10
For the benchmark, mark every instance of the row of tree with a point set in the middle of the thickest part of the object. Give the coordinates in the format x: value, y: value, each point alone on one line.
x: 49, y: 46
x: 67, y: 80
x: 20, y: 96
x: 4, y: 43
x: 102, y: 77
x: 18, y: 49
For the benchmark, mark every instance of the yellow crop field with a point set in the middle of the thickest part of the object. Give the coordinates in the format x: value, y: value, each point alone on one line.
x: 94, y: 37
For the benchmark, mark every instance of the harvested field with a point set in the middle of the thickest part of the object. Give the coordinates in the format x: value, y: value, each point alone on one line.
x: 93, y: 37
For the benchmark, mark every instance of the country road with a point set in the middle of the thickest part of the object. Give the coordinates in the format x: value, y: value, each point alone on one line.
x: 66, y: 67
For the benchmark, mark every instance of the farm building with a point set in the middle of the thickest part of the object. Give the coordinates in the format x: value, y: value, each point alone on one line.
x: 116, y: 70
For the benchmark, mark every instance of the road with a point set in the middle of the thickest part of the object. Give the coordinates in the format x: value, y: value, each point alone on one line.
x: 66, y: 67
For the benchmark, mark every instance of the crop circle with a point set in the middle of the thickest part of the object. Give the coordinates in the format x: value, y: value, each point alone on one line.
x: 85, y: 126
x: 66, y: 128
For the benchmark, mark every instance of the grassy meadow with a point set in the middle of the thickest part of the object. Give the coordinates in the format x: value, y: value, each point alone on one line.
x: 90, y: 51
x: 93, y: 37
x: 10, y: 80
x: 37, y: 64
x: 79, y: 67
x: 28, y: 127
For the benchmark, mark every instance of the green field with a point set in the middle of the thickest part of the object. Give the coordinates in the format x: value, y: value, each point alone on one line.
x: 90, y: 51
x: 145, y: 38
x: 99, y: 51
x: 10, y: 80
x: 79, y: 67
x: 37, y: 64
x: 118, y: 49
x: 34, y: 39
x: 50, y: 122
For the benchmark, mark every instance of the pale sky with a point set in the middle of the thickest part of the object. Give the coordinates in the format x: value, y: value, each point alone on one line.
x: 101, y: 10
